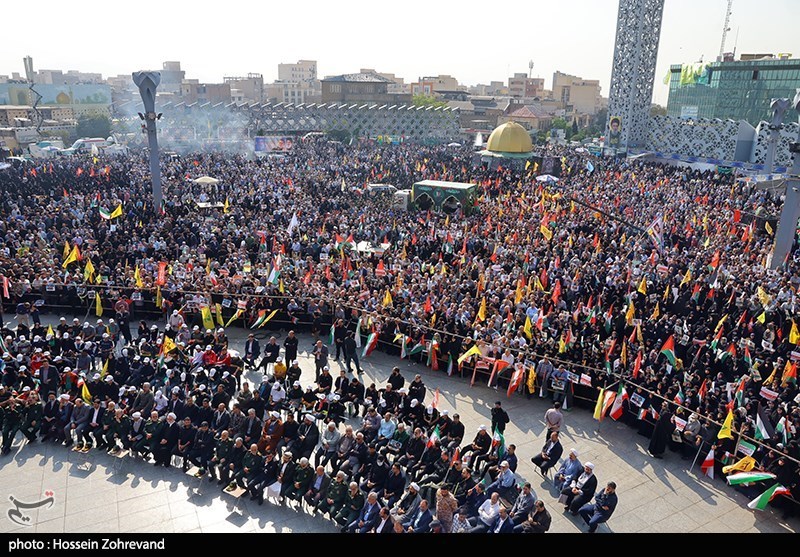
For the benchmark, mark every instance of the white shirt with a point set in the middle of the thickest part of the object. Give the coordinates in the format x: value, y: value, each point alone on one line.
x: 488, y: 511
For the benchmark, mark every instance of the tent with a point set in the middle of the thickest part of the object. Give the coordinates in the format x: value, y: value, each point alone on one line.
x: 205, y: 180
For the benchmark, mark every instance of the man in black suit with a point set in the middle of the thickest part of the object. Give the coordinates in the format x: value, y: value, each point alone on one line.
x: 95, y: 425
x: 580, y: 491
x: 252, y: 350
x: 550, y: 454
x: 175, y: 404
x: 166, y: 444
x: 251, y: 430
x: 221, y: 420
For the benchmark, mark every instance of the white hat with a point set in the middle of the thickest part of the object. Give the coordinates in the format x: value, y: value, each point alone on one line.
x: 429, y: 410
x: 336, y: 397
x: 137, y: 415
x: 172, y: 415
x: 589, y: 465
x: 482, y: 427
x: 296, y: 384
x: 445, y: 412
x: 196, y: 328
x: 295, y: 362
x: 99, y: 320
x: 504, y: 464
x: 65, y: 396
x: 26, y: 389
x: 220, y: 330
x: 105, y: 335
x: 202, y: 387
x: 208, y: 347
x: 23, y: 368
x: 574, y: 451
x: 174, y: 312
x: 326, y: 368
x: 414, y: 403
x: 275, y: 414
x: 96, y: 376
x: 109, y: 378
x: 176, y: 389
x: 147, y: 360
x: 414, y: 486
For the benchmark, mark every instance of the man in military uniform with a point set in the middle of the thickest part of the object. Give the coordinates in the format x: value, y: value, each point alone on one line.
x: 333, y: 498
x: 265, y: 477
x: 301, y: 480
x: 152, y: 429
x: 202, y: 449
x: 252, y: 464
x: 119, y: 428
x: 222, y: 449
x: 32, y: 419
x: 12, y: 418
x: 353, y: 501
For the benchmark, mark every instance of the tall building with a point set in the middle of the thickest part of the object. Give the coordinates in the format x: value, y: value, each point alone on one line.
x: 360, y: 87
x: 577, y: 94
x: 171, y: 77
x: 521, y: 86
x: 302, y: 70
x: 735, y: 89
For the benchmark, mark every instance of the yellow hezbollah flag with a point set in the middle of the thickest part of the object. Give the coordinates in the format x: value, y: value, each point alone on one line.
x: 528, y: 328
x: 117, y: 212
x: 598, y: 406
x: 85, y: 394
x: 686, y: 278
x: 208, y: 322
x: 546, y: 232
x: 656, y: 312
x: 794, y: 334
x: 387, y: 298
x: 98, y: 305
x: 138, y: 276
x: 744, y: 465
x: 727, y: 427
x: 88, y: 271
x: 233, y: 318
x: 768, y: 228
x: 220, y: 321
x: 642, y: 286
x: 159, y: 300
x: 531, y: 380
x: 763, y: 297
x: 226, y: 207
x: 472, y: 351
x: 630, y: 314
x: 66, y: 249
x: 270, y: 316
x: 50, y: 331
x: 104, y: 371
x: 482, y: 310
x: 168, y: 345
x: 74, y: 255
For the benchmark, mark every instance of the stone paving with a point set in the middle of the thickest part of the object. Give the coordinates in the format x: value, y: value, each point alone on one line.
x: 104, y: 494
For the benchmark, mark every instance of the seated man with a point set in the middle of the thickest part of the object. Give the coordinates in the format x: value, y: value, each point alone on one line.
x: 550, y: 454
x: 505, y: 484
x: 570, y: 470
x: 603, y: 507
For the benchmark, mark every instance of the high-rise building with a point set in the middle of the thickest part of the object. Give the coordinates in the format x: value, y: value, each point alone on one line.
x: 735, y: 89
x: 521, y: 86
x: 577, y: 94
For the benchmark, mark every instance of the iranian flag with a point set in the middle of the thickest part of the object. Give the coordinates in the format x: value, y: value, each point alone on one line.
x: 739, y: 394
x: 708, y: 464
x: 499, y: 442
x: 105, y: 214
x: 669, y: 349
x: 760, y: 503
x: 372, y: 342
x: 749, y: 477
x: 433, y: 437
x: 679, y: 397
x: 616, y: 407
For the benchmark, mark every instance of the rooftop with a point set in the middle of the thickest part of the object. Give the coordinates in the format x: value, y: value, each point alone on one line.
x: 359, y: 77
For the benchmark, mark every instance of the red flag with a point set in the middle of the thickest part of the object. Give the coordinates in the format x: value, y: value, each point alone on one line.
x: 556, y: 291
x: 435, y: 402
x: 637, y: 365
x: 428, y: 307
x: 79, y: 171
x: 464, y: 246
x: 516, y: 380
x: 380, y: 270
x: 543, y: 278
x: 737, y: 215
x: 162, y: 273
x: 703, y: 389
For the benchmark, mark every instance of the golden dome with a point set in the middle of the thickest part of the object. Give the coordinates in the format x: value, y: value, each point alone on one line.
x: 510, y: 138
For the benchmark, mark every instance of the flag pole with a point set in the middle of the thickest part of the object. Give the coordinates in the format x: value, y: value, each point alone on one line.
x: 699, y: 450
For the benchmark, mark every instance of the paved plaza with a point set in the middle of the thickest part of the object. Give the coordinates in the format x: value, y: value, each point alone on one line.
x: 105, y: 494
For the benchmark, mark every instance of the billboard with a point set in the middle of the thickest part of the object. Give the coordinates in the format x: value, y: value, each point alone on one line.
x: 614, y: 131
x: 270, y: 143
x: 96, y: 94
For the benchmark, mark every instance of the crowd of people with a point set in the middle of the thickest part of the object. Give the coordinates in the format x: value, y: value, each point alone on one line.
x: 556, y: 288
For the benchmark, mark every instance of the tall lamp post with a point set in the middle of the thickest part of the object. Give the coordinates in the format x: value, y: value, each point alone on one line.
x: 147, y: 82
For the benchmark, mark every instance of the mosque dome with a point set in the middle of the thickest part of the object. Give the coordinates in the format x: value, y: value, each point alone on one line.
x: 510, y: 138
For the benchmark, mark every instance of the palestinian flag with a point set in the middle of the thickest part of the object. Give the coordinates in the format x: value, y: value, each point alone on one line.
x: 708, y: 464
x: 738, y: 396
x: 372, y: 342
x: 616, y: 407
x: 764, y: 429
x: 608, y: 317
x: 747, y: 359
x: 275, y: 273
x: 749, y: 477
x: 3, y: 346
x: 790, y: 375
x: 433, y: 437
x: 637, y: 365
x: 716, y: 339
x: 668, y: 350
x: 782, y: 431
x: 500, y: 442
x: 105, y: 214
x: 260, y: 320
x: 403, y: 345
x: 760, y: 503
x: 417, y: 348
x: 729, y: 353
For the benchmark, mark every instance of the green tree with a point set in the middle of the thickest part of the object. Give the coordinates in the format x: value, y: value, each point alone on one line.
x: 94, y: 125
x: 559, y: 123
x: 657, y: 110
x: 427, y: 100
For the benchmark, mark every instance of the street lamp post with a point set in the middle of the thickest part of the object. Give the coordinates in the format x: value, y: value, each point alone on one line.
x: 147, y: 82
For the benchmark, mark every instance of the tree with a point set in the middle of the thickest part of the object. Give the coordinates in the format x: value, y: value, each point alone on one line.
x: 657, y: 110
x: 94, y: 125
x: 559, y: 123
x: 574, y: 126
x: 427, y: 100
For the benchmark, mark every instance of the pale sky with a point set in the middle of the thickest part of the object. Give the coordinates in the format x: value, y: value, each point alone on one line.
x: 476, y: 42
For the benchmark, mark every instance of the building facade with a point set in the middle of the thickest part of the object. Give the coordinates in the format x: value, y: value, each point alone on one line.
x: 521, y: 86
x: 360, y: 87
x: 737, y: 90
x: 577, y: 94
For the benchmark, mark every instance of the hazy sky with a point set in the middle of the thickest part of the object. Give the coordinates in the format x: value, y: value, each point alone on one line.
x: 476, y: 42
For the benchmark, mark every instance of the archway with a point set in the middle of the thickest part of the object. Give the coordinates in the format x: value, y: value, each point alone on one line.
x: 424, y: 202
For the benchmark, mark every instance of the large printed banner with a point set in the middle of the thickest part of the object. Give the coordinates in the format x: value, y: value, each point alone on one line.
x: 269, y: 144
